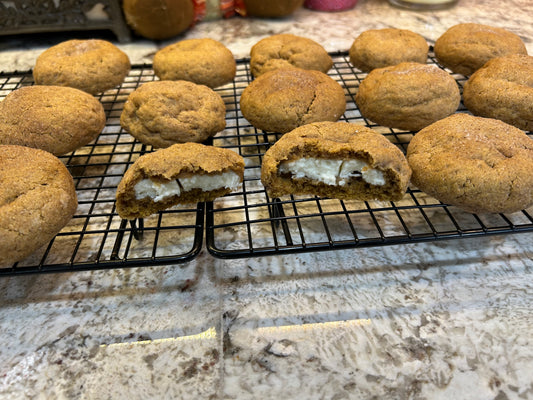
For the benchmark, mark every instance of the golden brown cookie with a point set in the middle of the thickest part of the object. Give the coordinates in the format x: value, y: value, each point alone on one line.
x: 203, y: 61
x: 37, y: 199
x: 336, y: 160
x: 158, y: 19
x: 92, y: 65
x: 283, y: 99
x: 285, y: 51
x: 53, y: 118
x: 180, y: 174
x: 407, y: 96
x: 162, y: 113
x: 479, y: 164
x: 503, y: 89
x: 464, y: 48
x: 378, y: 48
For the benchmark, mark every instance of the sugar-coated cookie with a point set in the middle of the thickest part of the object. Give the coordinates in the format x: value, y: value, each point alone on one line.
x: 503, y: 89
x: 283, y: 99
x: 481, y: 165
x: 162, y: 113
x: 285, y: 51
x: 37, y: 199
x: 53, y: 118
x: 336, y: 160
x: 180, y: 174
x: 407, y: 96
x: 202, y: 61
x: 464, y: 48
x: 91, y: 65
x: 378, y: 48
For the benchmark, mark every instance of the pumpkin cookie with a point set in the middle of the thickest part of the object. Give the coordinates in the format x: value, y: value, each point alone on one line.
x: 503, y: 89
x: 464, y: 48
x: 202, y: 61
x: 180, y: 174
x: 336, y: 160
x: 479, y: 164
x: 162, y: 113
x: 52, y: 118
x: 283, y: 99
x: 37, y: 199
x: 92, y: 65
x: 378, y: 48
x: 286, y: 51
x: 407, y: 96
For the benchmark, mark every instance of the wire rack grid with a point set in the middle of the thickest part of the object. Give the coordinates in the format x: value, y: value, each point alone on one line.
x: 246, y: 222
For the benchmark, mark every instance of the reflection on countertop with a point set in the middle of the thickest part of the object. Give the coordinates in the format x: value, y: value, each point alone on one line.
x: 441, y: 320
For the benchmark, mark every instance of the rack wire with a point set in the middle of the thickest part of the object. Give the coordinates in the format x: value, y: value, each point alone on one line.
x: 246, y: 222
x: 96, y: 237
x: 249, y: 223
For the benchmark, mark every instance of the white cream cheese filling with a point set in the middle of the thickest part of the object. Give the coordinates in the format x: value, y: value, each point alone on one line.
x: 158, y: 191
x: 332, y: 172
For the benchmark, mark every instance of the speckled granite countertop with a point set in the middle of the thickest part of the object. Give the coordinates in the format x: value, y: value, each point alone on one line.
x: 452, y: 319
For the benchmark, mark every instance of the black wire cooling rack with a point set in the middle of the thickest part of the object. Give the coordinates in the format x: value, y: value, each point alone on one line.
x: 245, y: 223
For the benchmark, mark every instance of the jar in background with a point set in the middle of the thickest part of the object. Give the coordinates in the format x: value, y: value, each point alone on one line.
x: 330, y: 5
x: 423, y: 4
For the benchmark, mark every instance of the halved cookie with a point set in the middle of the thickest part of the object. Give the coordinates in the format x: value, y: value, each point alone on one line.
x: 180, y: 174
x: 336, y: 160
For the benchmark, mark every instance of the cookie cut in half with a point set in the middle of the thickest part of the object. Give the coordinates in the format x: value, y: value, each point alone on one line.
x: 180, y: 174
x: 335, y: 160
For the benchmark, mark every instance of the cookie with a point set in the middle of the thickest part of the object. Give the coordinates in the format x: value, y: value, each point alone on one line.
x: 92, y: 65
x: 286, y: 51
x: 503, y: 89
x: 53, y: 118
x: 37, y: 199
x: 158, y: 19
x: 203, y: 61
x: 480, y: 165
x: 162, y: 113
x: 180, y: 174
x: 464, y: 48
x: 283, y: 99
x: 378, y: 48
x: 407, y: 96
x: 335, y: 160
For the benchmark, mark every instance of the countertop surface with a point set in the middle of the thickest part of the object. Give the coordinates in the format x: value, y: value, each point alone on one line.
x: 440, y: 320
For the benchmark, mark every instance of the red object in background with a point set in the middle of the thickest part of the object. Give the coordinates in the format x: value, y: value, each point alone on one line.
x: 330, y: 5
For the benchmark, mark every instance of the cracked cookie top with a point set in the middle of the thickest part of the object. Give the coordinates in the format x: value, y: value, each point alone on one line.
x: 203, y: 61
x: 92, y: 65
x: 286, y: 51
x: 283, y: 99
x: 479, y: 164
x: 53, y: 118
x: 37, y: 199
x: 162, y: 113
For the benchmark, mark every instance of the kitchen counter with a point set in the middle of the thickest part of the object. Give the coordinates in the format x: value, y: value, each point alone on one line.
x: 439, y: 320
